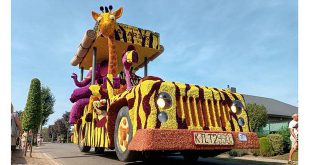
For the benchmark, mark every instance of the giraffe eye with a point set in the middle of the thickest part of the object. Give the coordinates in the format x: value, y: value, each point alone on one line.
x: 112, y: 17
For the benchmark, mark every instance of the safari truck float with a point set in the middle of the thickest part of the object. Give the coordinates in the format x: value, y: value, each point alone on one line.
x: 137, y: 116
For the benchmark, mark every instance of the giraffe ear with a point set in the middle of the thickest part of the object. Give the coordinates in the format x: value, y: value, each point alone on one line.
x: 95, y: 15
x: 118, y: 13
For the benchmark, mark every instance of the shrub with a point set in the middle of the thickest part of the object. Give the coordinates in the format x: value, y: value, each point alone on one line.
x: 276, y: 141
x: 255, y: 152
x: 285, y: 132
x: 238, y: 152
x: 265, y: 147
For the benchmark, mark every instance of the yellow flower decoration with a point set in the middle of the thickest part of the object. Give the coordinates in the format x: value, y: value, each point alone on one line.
x: 95, y: 90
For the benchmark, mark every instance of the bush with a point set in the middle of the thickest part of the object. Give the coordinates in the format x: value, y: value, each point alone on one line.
x: 276, y: 141
x: 285, y: 132
x: 265, y: 147
x: 255, y: 152
x: 238, y: 152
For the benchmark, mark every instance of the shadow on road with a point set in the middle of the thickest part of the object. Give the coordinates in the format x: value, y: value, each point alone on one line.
x: 168, y: 160
x: 17, y: 157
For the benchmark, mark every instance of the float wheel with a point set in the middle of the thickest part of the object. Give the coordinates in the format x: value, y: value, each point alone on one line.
x: 122, y: 136
x: 190, y: 157
x: 99, y: 150
x: 81, y: 145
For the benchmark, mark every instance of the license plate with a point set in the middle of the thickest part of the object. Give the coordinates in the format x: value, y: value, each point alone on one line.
x: 203, y: 138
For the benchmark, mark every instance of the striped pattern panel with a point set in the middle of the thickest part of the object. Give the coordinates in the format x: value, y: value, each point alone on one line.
x: 203, y: 114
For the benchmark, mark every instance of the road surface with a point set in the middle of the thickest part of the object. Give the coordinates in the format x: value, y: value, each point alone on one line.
x: 69, y: 154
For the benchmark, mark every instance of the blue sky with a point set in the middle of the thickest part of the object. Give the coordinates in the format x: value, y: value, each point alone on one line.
x: 251, y: 45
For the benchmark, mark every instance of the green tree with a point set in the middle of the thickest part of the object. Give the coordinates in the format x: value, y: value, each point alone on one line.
x: 32, y: 113
x: 48, y: 101
x: 65, y: 117
x: 45, y: 134
x: 257, y: 115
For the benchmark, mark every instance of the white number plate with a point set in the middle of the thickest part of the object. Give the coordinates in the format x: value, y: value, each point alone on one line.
x: 202, y: 138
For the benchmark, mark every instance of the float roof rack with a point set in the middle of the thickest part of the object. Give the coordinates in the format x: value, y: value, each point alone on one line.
x: 146, y: 42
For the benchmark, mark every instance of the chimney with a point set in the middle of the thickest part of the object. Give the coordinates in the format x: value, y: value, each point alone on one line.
x: 232, y: 89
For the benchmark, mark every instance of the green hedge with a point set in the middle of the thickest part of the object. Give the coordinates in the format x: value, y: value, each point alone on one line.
x: 265, y: 147
x: 238, y: 152
x: 276, y: 141
x: 271, y: 145
x: 285, y: 132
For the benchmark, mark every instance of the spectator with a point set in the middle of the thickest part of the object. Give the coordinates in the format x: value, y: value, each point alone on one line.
x: 16, y: 127
x: 24, y: 140
x: 29, y: 142
x: 293, y: 137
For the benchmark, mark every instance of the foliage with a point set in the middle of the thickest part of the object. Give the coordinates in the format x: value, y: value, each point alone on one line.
x: 48, y: 101
x: 261, y: 134
x: 255, y: 152
x: 257, y: 116
x: 60, y: 126
x: 32, y: 114
x: 45, y: 133
x: 238, y: 152
x: 52, y: 131
x: 265, y: 147
x: 276, y: 141
x: 285, y: 132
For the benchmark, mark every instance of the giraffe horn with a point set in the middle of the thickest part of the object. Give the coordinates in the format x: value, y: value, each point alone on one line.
x: 106, y: 9
x: 101, y: 9
x: 110, y: 8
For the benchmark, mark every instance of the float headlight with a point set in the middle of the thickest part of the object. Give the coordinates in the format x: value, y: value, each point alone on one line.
x: 236, y: 107
x: 164, y: 100
x: 162, y: 117
x: 241, y: 121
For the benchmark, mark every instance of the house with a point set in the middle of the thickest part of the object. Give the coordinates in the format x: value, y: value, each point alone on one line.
x: 279, y: 113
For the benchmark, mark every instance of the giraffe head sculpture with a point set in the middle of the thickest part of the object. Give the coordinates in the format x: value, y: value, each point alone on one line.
x: 107, y: 20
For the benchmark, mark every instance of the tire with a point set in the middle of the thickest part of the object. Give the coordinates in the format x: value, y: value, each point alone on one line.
x: 212, y: 153
x: 81, y: 146
x: 150, y: 157
x: 99, y: 150
x: 122, y: 151
x: 190, y: 157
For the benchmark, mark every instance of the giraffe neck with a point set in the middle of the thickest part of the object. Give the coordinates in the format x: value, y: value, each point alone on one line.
x: 112, y: 67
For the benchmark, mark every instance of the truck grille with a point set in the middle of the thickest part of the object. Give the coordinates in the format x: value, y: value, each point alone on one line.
x: 203, y: 114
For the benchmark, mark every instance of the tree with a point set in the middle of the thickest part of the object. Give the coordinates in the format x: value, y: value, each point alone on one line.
x: 45, y: 133
x: 52, y: 132
x: 65, y: 117
x: 60, y: 126
x: 48, y: 101
x: 257, y: 115
x: 32, y: 114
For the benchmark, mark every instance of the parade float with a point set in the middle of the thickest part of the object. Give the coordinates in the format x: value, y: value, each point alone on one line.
x: 113, y: 108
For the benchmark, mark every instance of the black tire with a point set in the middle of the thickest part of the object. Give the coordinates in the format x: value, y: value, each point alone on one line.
x: 81, y: 146
x: 99, y: 150
x: 124, y: 156
x: 150, y: 157
x: 211, y: 153
x: 190, y: 157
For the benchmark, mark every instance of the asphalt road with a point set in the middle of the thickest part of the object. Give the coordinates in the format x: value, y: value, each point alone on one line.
x: 69, y: 154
